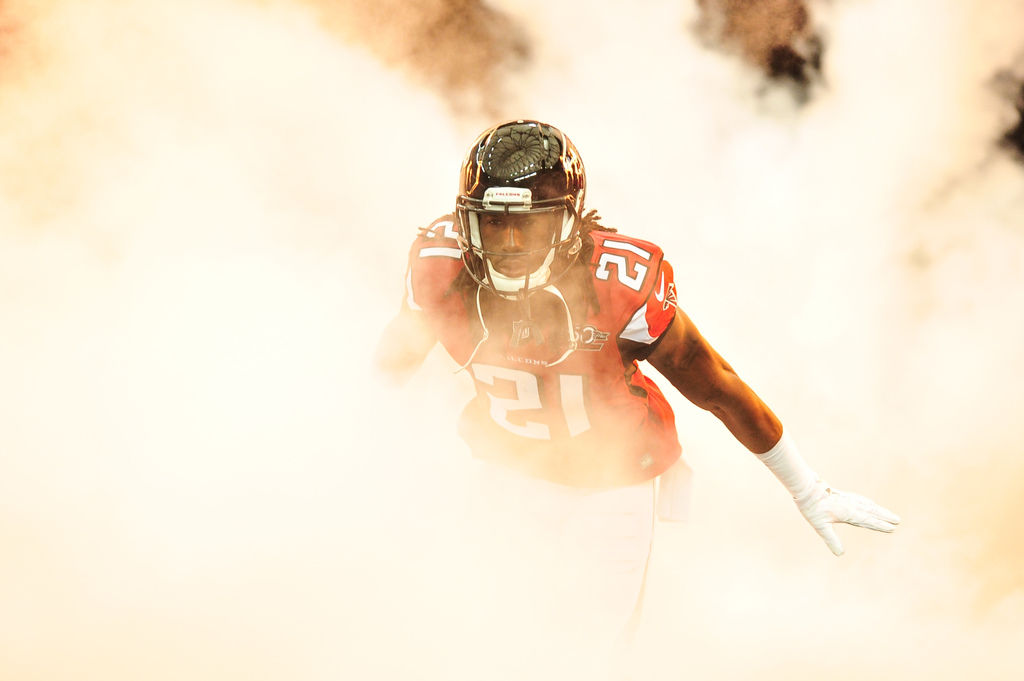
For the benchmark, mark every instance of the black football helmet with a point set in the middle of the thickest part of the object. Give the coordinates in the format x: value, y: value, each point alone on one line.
x: 521, y: 170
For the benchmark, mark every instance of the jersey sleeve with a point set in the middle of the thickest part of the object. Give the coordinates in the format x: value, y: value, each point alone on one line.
x: 652, y: 318
x: 435, y: 259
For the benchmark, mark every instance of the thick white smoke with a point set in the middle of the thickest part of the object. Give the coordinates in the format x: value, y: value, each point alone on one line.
x: 204, y: 212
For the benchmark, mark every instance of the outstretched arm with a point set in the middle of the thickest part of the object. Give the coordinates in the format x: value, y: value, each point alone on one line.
x: 689, y: 362
x: 703, y: 377
x: 404, y: 345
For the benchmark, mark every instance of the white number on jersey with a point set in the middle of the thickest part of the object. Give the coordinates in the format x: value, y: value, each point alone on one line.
x: 449, y: 229
x: 527, y: 396
x: 442, y: 251
x: 633, y: 280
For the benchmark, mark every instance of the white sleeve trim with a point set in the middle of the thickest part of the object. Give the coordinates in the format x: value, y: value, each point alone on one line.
x: 637, y: 329
x: 440, y: 251
x: 409, y: 299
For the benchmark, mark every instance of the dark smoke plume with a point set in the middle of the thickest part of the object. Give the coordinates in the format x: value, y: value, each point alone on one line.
x: 1013, y: 139
x: 460, y: 48
x: 775, y: 36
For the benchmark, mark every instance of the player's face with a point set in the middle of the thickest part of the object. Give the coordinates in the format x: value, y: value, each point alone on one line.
x: 520, y: 240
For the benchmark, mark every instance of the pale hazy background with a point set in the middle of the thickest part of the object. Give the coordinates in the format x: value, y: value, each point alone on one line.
x: 204, y: 214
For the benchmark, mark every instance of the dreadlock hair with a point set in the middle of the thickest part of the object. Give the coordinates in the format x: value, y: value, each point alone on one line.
x: 591, y: 222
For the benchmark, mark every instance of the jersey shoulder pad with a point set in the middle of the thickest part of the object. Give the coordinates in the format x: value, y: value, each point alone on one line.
x: 435, y: 259
x: 615, y: 240
x: 624, y: 266
x: 634, y: 286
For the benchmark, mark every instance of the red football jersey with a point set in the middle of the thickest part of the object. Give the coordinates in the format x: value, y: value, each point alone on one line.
x: 555, y: 396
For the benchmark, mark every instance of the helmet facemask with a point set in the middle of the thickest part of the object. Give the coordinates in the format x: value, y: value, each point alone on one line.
x: 514, y: 245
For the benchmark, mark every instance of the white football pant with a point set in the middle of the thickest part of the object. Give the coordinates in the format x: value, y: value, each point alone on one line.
x: 560, y: 571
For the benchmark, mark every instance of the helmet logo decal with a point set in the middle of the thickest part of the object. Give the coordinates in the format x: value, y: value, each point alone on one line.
x: 519, y: 153
x: 499, y: 197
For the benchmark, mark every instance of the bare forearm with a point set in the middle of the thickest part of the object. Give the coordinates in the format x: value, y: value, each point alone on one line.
x: 403, y: 347
x: 746, y: 416
x: 397, y: 360
x: 707, y: 380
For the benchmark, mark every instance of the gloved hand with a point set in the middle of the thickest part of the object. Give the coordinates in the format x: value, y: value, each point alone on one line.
x: 825, y: 506
x: 820, y: 504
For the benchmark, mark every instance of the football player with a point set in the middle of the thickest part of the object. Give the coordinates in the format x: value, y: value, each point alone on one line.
x: 552, y: 314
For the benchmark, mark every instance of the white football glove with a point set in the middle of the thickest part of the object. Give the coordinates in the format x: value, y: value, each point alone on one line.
x: 826, y: 505
x: 821, y: 505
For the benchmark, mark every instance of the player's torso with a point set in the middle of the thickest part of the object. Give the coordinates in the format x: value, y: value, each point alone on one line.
x: 553, y: 382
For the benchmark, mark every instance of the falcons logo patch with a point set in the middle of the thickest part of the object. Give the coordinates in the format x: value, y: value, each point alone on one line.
x: 664, y: 297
